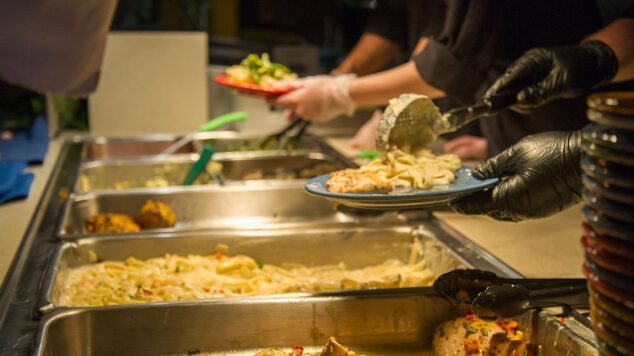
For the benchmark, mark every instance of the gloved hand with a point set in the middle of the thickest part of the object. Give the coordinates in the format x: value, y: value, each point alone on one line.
x: 560, y: 72
x: 320, y: 98
x: 540, y: 176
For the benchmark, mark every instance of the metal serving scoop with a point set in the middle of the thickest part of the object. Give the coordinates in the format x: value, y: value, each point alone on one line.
x: 492, y: 296
x: 412, y: 121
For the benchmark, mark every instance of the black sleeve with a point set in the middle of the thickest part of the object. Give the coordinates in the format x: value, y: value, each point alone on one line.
x: 456, y: 61
x: 628, y: 13
x: 388, y: 20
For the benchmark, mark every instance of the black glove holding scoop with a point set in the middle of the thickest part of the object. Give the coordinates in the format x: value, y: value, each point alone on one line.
x: 540, y: 176
x: 545, y: 74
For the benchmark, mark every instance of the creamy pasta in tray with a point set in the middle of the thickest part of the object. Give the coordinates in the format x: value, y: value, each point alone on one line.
x: 191, y: 277
x: 397, y: 171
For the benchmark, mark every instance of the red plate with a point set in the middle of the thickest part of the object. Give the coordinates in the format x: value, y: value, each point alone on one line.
x: 608, y: 243
x: 614, y: 308
x: 616, y: 294
x: 252, y: 89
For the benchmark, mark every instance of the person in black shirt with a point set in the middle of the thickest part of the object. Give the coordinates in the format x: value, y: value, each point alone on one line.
x: 478, y: 40
x: 541, y: 175
x: 393, y: 25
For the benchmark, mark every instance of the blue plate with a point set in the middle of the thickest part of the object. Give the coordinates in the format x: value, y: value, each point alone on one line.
x: 464, y: 184
x: 608, y: 136
x: 608, y: 207
x: 615, y: 279
x: 603, y: 152
x: 606, y: 190
x: 605, y: 225
x: 607, y: 172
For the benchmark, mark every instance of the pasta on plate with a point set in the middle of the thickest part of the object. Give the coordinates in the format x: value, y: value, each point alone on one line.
x: 421, y: 171
x: 397, y: 171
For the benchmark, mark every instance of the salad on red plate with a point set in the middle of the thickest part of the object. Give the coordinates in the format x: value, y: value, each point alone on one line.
x: 257, y: 75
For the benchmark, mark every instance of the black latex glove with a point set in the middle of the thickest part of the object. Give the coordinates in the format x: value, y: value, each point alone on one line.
x: 540, y: 176
x: 547, y: 74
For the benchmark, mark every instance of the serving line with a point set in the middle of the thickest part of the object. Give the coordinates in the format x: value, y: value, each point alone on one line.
x: 19, y: 311
x: 18, y: 304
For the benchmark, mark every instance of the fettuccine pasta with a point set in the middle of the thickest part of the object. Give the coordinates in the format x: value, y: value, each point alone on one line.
x: 421, y: 171
x: 191, y: 277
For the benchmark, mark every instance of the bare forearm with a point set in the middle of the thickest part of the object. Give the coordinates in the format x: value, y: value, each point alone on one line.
x: 370, y: 54
x: 618, y: 35
x: 379, y: 88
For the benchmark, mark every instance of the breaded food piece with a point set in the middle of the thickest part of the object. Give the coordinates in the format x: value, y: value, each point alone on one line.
x: 156, y: 215
x: 471, y: 335
x: 111, y: 222
x: 357, y: 181
x: 333, y: 348
x: 271, y: 352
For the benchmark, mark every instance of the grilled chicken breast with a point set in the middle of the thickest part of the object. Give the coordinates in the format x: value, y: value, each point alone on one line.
x: 103, y: 223
x: 356, y: 181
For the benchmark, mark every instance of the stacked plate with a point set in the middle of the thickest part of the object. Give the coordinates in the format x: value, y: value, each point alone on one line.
x: 608, y: 232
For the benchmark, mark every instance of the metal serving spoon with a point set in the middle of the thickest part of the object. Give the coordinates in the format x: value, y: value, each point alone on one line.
x: 492, y: 296
x: 412, y: 121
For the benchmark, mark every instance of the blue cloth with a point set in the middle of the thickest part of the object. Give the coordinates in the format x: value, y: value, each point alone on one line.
x: 14, y: 183
x: 27, y: 145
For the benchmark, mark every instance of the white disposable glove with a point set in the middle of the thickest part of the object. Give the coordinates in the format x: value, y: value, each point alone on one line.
x: 320, y: 98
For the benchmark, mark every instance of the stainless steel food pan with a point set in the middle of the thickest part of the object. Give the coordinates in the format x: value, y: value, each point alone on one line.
x: 377, y: 324
x: 97, y: 148
x: 383, y: 324
x: 356, y: 246
x: 101, y: 147
x: 213, y: 207
x: 147, y: 173
x: 232, y: 141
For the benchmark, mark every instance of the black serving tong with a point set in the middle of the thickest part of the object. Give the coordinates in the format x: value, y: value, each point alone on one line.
x: 492, y: 296
x: 284, y: 138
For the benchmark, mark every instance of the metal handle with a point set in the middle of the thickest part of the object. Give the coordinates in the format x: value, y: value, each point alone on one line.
x: 513, y: 299
x: 572, y: 295
x: 296, y: 121
x: 302, y: 129
x: 535, y: 284
x: 501, y: 101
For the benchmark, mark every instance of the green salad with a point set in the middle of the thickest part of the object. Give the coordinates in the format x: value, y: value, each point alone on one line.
x: 259, y: 70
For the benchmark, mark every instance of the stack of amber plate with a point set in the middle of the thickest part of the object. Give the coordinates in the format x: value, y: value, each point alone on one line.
x: 608, y: 232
